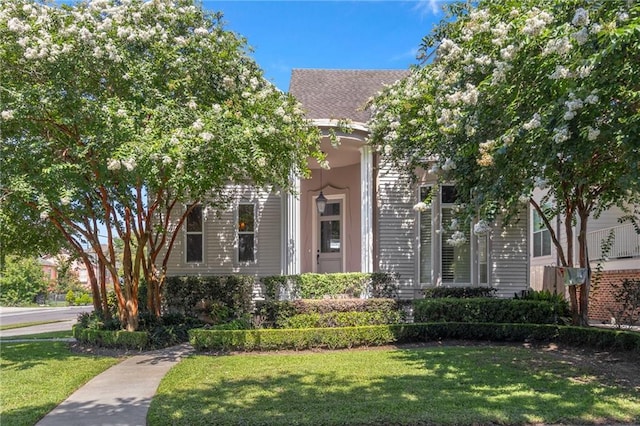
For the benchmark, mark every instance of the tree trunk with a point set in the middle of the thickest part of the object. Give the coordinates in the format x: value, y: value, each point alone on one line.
x: 584, y: 263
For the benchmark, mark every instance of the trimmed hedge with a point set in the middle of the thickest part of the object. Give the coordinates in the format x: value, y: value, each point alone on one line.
x: 138, y: 340
x: 318, y: 286
x: 189, y: 295
x: 458, y: 292
x: 341, y: 319
x: 488, y: 310
x: 348, y: 337
x: 278, y: 313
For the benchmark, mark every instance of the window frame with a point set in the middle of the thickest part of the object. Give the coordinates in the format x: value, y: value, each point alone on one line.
x: 240, y: 232
x: 542, y: 233
x: 189, y: 233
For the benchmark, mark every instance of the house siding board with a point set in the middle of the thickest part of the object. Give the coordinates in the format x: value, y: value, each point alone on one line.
x: 220, y: 240
x: 509, y: 256
x: 397, y: 244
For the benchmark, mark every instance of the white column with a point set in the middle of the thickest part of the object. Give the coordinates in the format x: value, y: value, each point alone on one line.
x: 291, y: 231
x: 366, y: 208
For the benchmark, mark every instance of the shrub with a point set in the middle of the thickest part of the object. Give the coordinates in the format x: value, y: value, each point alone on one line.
x: 110, y: 338
x: 341, y: 319
x: 318, y: 286
x: 277, y: 313
x: 347, y: 337
x: 487, y: 310
x: 458, y: 292
x: 188, y: 294
x: 21, y: 281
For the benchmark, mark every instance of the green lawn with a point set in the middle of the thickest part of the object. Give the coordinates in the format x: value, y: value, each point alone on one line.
x: 26, y: 324
x: 37, y: 376
x: 48, y: 335
x: 444, y: 386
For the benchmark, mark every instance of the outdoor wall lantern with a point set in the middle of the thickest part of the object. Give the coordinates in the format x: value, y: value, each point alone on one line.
x: 321, y: 201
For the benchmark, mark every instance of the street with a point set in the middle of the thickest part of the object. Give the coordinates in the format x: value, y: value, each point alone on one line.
x: 66, y: 316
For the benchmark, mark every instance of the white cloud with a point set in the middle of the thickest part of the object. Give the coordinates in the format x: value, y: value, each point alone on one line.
x: 428, y: 7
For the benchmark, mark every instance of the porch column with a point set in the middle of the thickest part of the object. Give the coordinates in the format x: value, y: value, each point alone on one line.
x: 366, y: 208
x: 291, y: 230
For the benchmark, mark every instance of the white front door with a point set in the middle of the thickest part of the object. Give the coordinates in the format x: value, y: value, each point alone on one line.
x: 330, y: 238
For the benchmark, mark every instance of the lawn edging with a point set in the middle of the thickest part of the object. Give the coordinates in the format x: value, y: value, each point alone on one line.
x: 377, y: 335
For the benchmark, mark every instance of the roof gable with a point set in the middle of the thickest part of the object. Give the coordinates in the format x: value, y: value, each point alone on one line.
x: 339, y: 94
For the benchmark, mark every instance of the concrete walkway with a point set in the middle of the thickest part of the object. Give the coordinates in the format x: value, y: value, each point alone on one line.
x: 121, y: 395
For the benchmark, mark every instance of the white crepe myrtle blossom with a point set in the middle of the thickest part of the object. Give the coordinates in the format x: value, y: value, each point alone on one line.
x: 7, y: 114
x: 536, y: 22
x: 580, y: 18
x: 592, y: 133
x: 448, y: 165
x: 457, y: 239
x: 420, y: 207
x: 481, y: 227
x: 114, y: 164
x: 534, y: 123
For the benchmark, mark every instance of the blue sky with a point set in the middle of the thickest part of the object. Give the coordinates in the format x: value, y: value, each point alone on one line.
x: 330, y: 34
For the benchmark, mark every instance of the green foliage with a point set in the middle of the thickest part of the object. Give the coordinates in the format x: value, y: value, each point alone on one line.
x: 317, y: 286
x: 627, y: 295
x: 279, y: 313
x: 520, y: 98
x: 458, y: 292
x: 179, y: 111
x: 488, y: 310
x: 348, y: 337
x: 78, y: 298
x: 111, y: 338
x: 341, y: 319
x: 298, y: 339
x: 21, y: 281
x: 190, y: 294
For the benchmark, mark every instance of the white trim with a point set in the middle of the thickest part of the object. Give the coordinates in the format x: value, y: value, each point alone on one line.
x: 314, y: 235
x: 366, y: 209
x: 290, y: 250
x: 328, y: 122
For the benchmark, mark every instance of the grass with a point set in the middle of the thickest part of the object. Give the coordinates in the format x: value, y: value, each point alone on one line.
x: 444, y: 386
x: 37, y: 376
x: 27, y: 324
x: 49, y: 335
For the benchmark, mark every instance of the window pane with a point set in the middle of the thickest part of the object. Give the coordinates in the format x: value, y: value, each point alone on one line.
x: 330, y: 236
x: 546, y: 242
x: 456, y: 261
x: 425, y: 247
x: 331, y: 209
x: 449, y: 194
x: 194, y: 247
x: 483, y: 259
x: 246, y: 218
x: 245, y: 248
x: 194, y: 220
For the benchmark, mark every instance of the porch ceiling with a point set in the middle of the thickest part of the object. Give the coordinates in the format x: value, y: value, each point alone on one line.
x: 345, y: 154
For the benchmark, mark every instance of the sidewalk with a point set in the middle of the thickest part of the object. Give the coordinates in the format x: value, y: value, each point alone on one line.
x: 121, y: 395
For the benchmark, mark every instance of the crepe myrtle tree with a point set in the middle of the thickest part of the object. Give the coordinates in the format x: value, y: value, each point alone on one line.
x: 116, y: 115
x: 519, y: 95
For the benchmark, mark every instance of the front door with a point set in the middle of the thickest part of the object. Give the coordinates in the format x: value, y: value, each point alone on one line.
x: 330, y: 239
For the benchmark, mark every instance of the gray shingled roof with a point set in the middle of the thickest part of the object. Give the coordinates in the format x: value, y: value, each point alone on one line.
x: 339, y: 94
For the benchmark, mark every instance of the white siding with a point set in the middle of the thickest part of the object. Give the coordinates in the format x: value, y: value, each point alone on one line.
x: 398, y: 240
x: 396, y: 233
x: 509, y: 256
x: 220, y: 239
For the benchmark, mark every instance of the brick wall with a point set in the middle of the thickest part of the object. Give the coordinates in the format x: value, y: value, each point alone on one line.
x: 601, y: 300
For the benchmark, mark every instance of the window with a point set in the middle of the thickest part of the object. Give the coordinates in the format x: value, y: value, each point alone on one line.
x: 425, y: 238
x: 439, y: 259
x: 194, y: 235
x: 246, y: 232
x: 541, y: 237
x: 456, y: 261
